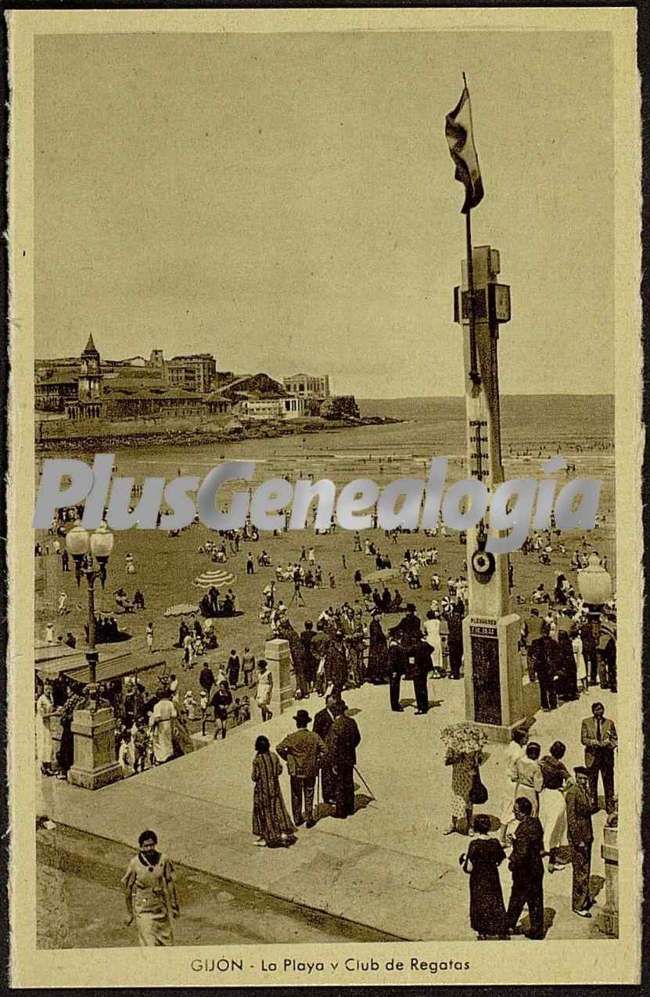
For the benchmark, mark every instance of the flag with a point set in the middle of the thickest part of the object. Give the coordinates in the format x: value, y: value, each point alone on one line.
x: 460, y: 136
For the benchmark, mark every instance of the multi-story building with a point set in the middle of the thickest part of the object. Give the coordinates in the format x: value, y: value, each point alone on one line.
x: 308, y: 385
x: 272, y: 407
x: 196, y: 371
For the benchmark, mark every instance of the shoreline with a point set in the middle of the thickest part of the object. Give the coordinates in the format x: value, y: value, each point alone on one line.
x: 198, y: 437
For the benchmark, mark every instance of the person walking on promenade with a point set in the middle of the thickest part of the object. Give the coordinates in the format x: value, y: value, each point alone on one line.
x: 487, y: 912
x: 271, y: 823
x: 581, y: 836
x: 303, y: 751
x: 149, y: 636
x: 323, y: 721
x: 264, y: 689
x: 342, y: 741
x: 598, y: 735
x: 527, y: 870
x: 151, y: 893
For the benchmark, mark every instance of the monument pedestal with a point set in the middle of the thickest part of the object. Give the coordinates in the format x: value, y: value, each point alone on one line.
x: 94, y: 749
x: 607, y: 919
x: 278, y: 656
x: 494, y: 692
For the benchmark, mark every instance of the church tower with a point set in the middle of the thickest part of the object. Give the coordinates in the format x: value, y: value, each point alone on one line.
x: 90, y: 377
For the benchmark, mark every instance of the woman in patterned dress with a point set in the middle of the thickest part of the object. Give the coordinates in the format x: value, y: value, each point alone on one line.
x: 464, y: 766
x: 271, y: 823
x: 150, y: 893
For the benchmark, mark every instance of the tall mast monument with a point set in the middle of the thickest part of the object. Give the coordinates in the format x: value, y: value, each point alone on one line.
x: 494, y: 694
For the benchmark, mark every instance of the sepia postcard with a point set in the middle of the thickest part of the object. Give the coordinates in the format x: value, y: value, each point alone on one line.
x: 324, y: 497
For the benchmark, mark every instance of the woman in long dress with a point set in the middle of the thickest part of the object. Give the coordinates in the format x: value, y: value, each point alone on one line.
x: 162, y: 728
x: 487, y: 912
x: 528, y: 777
x: 464, y: 766
x: 151, y: 893
x: 44, y: 710
x: 552, y: 805
x: 271, y: 823
x: 581, y: 667
x: 377, y: 651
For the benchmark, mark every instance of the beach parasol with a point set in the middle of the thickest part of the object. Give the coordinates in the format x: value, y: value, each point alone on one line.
x: 182, y: 609
x: 216, y: 578
x: 382, y: 575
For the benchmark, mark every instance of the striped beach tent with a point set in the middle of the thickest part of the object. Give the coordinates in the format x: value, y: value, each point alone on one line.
x: 216, y: 578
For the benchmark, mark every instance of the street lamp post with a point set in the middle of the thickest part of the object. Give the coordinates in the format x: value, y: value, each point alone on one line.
x: 85, y: 548
x: 93, y: 725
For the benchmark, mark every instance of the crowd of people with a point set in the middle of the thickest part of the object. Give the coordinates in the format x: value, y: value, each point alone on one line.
x: 544, y: 825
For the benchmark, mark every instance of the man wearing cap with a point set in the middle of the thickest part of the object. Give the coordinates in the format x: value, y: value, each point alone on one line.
x: 581, y: 836
x: 341, y: 744
x: 303, y: 751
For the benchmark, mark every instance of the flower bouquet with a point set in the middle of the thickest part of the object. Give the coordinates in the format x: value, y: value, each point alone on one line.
x: 463, y: 738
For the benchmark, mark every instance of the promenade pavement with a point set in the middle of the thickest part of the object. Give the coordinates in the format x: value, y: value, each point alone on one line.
x: 389, y: 867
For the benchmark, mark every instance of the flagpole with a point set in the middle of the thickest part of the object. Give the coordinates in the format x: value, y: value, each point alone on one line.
x: 475, y: 377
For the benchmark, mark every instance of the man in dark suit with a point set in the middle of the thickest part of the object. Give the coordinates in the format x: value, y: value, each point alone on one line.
x: 341, y: 745
x: 581, y: 836
x: 323, y: 721
x: 600, y: 741
x: 395, y: 670
x: 409, y: 627
x: 590, y: 650
x: 546, y: 654
x: 418, y: 664
x: 527, y: 869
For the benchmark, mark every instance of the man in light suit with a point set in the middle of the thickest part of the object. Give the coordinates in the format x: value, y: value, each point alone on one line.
x: 600, y: 741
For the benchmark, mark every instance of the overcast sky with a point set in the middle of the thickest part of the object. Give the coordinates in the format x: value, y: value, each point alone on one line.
x: 287, y: 202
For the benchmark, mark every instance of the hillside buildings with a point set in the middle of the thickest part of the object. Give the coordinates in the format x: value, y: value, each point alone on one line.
x: 90, y: 387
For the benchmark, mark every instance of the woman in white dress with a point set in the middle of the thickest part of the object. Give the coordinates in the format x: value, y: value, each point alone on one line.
x: 581, y: 665
x: 528, y: 776
x: 514, y: 751
x: 434, y: 639
x: 552, y: 805
x: 44, y: 710
x: 264, y: 689
x: 162, y: 728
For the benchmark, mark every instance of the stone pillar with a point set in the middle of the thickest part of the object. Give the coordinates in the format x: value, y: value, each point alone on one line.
x: 278, y: 656
x: 95, y: 764
x: 607, y: 919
